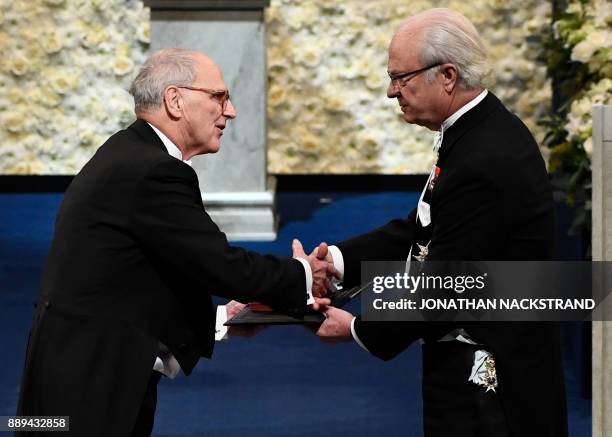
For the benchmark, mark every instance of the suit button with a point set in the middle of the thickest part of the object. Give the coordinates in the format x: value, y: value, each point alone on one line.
x: 47, y: 304
x: 35, y: 305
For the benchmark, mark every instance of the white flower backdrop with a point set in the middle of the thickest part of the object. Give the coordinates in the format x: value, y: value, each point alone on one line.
x: 327, y: 107
x: 65, y: 69
x: 68, y: 63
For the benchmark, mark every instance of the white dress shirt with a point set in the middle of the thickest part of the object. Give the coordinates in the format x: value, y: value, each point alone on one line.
x: 166, y: 363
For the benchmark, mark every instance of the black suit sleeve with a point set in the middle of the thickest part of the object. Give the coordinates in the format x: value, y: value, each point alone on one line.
x: 390, y: 242
x: 386, y: 340
x: 169, y: 221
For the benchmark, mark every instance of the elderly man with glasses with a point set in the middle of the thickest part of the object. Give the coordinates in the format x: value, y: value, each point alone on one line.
x: 488, y: 197
x: 126, y: 293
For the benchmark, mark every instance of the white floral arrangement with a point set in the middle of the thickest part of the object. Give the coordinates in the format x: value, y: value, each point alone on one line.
x: 579, y: 54
x: 64, y: 75
x: 579, y: 123
x: 592, y: 46
x: 327, y: 61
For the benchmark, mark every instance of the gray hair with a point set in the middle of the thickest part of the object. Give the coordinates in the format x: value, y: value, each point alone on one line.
x: 163, y: 68
x: 448, y: 41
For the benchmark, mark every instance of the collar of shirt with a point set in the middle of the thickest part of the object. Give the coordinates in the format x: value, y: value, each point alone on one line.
x: 170, y: 146
x: 456, y: 115
x: 465, y: 108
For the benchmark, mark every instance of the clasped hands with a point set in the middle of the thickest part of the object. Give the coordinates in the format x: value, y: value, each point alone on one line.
x: 337, y: 324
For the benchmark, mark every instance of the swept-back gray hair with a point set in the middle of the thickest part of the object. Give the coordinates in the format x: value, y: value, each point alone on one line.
x: 163, y: 68
x: 449, y: 41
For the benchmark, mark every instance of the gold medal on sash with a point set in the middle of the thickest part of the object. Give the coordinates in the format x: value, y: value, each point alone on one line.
x: 490, y: 378
x: 423, y: 252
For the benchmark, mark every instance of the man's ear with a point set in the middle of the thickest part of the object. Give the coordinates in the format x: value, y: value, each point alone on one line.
x: 449, y: 77
x: 173, y: 102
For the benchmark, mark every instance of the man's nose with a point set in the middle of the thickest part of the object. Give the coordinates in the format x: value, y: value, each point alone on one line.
x: 392, y: 90
x: 230, y: 111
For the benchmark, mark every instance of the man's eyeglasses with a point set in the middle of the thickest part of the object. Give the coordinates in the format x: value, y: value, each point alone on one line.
x: 401, y: 79
x: 220, y: 96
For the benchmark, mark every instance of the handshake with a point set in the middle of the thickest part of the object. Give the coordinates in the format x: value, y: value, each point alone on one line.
x: 337, y: 324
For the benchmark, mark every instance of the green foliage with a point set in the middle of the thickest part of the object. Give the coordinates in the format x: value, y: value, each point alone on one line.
x: 579, y: 76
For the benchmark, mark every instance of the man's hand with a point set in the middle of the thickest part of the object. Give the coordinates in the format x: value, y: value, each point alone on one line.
x: 322, y: 253
x: 322, y: 270
x: 320, y: 303
x: 337, y: 325
x: 233, y: 307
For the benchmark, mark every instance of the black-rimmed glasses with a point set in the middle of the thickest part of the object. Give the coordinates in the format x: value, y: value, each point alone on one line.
x: 401, y: 79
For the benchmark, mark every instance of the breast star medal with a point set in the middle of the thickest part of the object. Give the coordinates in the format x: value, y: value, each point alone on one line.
x: 423, y: 252
x: 490, y: 379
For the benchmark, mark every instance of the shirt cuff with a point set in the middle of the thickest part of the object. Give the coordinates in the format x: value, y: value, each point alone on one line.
x: 354, y: 334
x: 166, y: 363
x: 338, y: 261
x: 220, y: 328
x: 308, y: 271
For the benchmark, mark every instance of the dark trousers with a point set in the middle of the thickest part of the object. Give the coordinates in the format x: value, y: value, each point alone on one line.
x: 146, y: 416
x: 452, y: 405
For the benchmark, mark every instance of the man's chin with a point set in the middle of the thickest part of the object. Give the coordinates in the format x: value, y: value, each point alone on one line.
x: 212, y: 147
x: 409, y: 118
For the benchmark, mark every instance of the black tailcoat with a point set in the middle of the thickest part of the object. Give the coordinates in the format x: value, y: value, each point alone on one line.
x: 491, y: 201
x: 133, y: 262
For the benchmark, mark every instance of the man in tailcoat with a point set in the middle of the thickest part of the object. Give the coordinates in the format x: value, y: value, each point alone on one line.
x: 126, y: 291
x: 487, y: 198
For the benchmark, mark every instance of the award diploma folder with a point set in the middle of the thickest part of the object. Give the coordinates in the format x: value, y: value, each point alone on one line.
x: 258, y: 314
